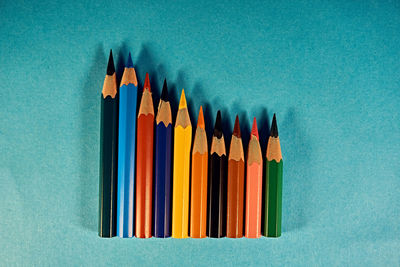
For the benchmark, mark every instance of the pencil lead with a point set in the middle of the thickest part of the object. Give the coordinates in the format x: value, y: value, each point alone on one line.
x: 130, y: 63
x: 254, y: 130
x: 147, y: 83
x: 182, y: 102
x: 218, y: 125
x: 236, y: 128
x: 164, y: 92
x: 200, y: 120
x: 110, y: 66
x: 274, y: 127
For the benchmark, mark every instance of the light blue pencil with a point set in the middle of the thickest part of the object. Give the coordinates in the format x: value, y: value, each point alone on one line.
x: 126, y: 151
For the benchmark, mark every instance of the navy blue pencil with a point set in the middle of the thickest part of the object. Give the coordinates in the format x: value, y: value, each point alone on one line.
x: 162, y: 178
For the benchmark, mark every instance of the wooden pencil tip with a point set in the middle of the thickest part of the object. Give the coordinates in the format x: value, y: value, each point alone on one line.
x: 147, y: 83
x: 130, y: 63
x: 218, y: 125
x: 182, y: 102
x: 254, y: 129
x: 164, y: 92
x: 110, y: 66
x: 236, y: 128
x: 200, y: 120
x: 274, y: 127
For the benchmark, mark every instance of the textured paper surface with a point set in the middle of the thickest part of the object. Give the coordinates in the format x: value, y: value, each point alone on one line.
x: 330, y: 70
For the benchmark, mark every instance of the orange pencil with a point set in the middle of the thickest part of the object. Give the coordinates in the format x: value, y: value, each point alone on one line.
x: 253, y: 185
x: 198, y: 198
x: 235, y: 192
x: 144, y: 163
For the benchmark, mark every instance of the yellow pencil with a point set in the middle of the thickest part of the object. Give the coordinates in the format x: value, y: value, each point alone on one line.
x: 180, y: 195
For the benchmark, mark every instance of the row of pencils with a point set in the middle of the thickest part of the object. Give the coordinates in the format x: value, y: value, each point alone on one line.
x: 204, y: 194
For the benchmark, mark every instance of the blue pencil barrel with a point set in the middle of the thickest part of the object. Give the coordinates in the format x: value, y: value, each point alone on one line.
x: 162, y: 189
x: 126, y: 159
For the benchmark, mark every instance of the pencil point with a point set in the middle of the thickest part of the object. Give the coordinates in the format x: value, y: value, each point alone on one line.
x: 164, y: 92
x: 200, y: 120
x: 274, y: 127
x: 147, y: 83
x: 218, y: 125
x: 182, y: 102
x: 110, y: 66
x: 254, y: 130
x: 236, y: 128
x: 130, y: 63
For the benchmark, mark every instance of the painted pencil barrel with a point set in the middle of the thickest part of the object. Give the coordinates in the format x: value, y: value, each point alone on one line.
x: 217, y: 197
x: 144, y: 177
x: 180, y: 200
x: 273, y: 198
x: 126, y: 159
x: 198, y: 197
x: 162, y: 180
x: 235, y: 199
x: 253, y: 200
x: 108, y: 167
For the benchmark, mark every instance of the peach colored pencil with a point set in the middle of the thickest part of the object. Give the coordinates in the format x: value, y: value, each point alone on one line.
x: 253, y: 185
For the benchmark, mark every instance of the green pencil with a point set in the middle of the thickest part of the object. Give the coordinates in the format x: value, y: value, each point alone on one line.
x: 108, y: 154
x: 273, y: 184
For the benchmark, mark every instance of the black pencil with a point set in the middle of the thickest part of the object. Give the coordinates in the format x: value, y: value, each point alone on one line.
x: 108, y: 153
x: 216, y: 226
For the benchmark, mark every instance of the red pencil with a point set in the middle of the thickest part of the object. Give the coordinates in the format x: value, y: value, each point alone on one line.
x: 144, y: 163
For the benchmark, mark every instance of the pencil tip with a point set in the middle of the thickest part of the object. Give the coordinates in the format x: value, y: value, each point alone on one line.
x: 218, y: 125
x: 200, y: 120
x: 147, y: 83
x: 182, y: 102
x: 274, y: 127
x: 110, y: 66
x: 254, y: 129
x: 164, y: 92
x: 130, y: 63
x: 236, y: 128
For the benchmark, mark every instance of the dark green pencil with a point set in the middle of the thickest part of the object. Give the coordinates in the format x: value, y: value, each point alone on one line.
x: 273, y: 184
x: 108, y: 153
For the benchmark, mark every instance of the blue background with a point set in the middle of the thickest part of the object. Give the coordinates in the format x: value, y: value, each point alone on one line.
x: 329, y: 69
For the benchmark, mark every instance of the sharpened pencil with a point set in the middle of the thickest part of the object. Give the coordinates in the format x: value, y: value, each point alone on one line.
x: 181, y: 171
x: 253, y: 185
x: 216, y: 204
x: 235, y: 189
x: 108, y: 153
x: 273, y: 184
x: 198, y: 197
x: 162, y: 176
x: 126, y: 150
x: 144, y: 163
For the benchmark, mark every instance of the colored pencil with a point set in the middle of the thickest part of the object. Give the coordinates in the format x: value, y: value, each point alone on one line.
x: 273, y: 184
x: 126, y: 150
x: 108, y: 153
x: 253, y: 185
x: 235, y: 189
x: 144, y: 163
x: 198, y: 197
x: 217, y: 183
x: 162, y: 177
x: 180, y: 197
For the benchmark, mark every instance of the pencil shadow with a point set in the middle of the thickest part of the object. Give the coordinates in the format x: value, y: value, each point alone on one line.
x: 296, y: 189
x: 197, y: 99
x: 121, y: 60
x: 147, y: 63
x: 263, y: 122
x: 227, y: 126
x: 89, y: 140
